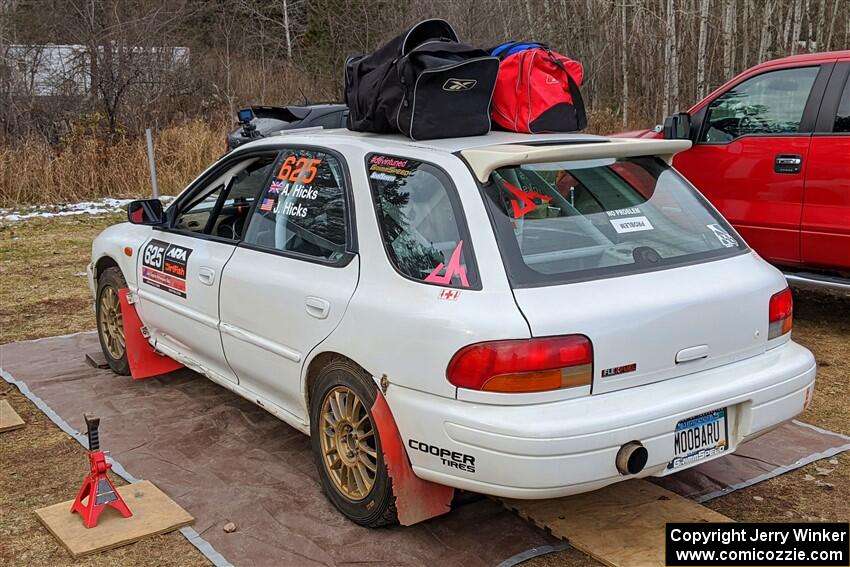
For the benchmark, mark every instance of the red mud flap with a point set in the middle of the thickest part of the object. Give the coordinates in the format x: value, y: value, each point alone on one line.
x: 144, y: 361
x: 416, y: 499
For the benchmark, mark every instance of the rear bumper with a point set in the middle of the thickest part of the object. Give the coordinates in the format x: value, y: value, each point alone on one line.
x: 567, y: 447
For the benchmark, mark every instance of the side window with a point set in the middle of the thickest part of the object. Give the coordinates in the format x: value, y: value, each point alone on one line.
x: 842, y: 117
x: 421, y: 223
x: 770, y: 103
x: 303, y: 208
x: 198, y: 212
x: 221, y: 208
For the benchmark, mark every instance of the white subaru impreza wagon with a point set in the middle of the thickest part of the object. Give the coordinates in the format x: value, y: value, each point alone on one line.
x: 542, y: 315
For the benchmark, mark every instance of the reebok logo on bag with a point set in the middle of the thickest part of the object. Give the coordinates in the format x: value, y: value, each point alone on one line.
x: 424, y: 84
x: 459, y: 84
x: 537, y: 90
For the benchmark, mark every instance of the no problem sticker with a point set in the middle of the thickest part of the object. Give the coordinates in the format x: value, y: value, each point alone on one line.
x: 631, y: 224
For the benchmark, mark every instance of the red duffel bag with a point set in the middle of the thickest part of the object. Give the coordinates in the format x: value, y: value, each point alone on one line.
x: 537, y: 90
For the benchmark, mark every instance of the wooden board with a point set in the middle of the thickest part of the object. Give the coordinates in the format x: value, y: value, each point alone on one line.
x: 9, y: 418
x: 95, y: 359
x: 621, y: 525
x: 153, y: 513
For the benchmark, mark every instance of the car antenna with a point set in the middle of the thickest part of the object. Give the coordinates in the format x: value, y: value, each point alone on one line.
x: 306, y: 102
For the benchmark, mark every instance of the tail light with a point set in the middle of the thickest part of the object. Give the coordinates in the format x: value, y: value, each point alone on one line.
x: 781, y: 314
x: 526, y: 365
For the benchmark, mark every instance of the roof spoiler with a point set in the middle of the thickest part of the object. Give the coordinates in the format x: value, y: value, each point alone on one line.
x: 487, y: 159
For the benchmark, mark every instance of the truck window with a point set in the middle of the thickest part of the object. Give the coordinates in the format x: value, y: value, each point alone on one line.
x: 842, y: 117
x: 770, y: 103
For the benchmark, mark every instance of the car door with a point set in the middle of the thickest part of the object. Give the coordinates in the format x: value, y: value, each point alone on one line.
x: 289, y: 281
x: 751, y: 154
x: 180, y: 266
x: 825, y: 226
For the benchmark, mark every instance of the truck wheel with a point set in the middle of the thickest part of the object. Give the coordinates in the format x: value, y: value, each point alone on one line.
x: 110, y: 323
x: 346, y: 445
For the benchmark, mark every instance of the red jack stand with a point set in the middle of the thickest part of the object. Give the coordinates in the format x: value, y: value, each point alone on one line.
x: 97, y: 486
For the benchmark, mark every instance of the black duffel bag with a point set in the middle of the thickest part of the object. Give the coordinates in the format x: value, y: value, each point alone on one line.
x: 424, y: 84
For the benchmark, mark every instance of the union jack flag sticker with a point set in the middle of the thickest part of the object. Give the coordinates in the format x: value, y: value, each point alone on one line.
x: 267, y: 205
x: 274, y: 188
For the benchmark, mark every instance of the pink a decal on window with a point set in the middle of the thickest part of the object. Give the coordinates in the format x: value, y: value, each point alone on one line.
x: 453, y: 269
x: 524, y: 197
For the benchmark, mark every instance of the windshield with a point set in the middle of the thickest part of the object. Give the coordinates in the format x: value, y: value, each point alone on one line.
x: 580, y: 220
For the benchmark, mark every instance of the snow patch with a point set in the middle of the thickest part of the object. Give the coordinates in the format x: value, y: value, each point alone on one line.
x: 98, y: 207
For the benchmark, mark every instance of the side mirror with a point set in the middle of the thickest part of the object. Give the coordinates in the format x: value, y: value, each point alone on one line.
x: 677, y: 126
x: 145, y: 211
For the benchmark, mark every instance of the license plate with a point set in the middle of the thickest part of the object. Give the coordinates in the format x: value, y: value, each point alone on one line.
x: 698, y: 438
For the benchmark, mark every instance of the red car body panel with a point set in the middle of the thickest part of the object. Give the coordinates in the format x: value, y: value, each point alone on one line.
x: 800, y: 220
x: 825, y: 224
x: 763, y: 206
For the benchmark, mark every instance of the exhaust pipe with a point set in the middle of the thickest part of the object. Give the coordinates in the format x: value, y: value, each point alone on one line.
x: 631, y: 458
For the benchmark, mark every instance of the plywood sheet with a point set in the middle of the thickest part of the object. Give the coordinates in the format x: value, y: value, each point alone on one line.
x: 153, y: 513
x: 621, y: 525
x: 9, y: 419
x: 95, y: 359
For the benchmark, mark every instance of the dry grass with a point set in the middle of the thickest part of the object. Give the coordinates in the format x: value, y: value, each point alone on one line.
x: 43, y: 288
x: 607, y: 121
x: 85, y: 167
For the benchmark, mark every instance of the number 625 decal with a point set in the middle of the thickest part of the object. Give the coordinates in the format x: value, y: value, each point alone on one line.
x: 303, y: 169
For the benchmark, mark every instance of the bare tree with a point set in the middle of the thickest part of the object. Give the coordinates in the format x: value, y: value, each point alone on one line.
x: 765, y: 34
x: 728, y: 36
x: 671, y: 63
x: 704, y: 7
x: 797, y: 25
x: 642, y: 58
x: 624, y: 61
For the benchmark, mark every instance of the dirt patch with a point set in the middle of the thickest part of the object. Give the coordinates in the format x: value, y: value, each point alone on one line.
x: 43, y: 466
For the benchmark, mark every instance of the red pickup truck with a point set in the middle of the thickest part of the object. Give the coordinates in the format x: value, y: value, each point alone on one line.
x: 772, y: 152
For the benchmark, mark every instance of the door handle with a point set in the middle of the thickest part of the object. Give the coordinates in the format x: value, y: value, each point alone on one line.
x: 692, y: 353
x: 318, y: 307
x: 206, y: 275
x: 788, y: 163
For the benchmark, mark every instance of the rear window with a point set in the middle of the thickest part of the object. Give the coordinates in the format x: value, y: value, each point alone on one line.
x: 572, y: 221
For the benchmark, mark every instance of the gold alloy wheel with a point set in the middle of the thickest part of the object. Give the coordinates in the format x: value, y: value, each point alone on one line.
x: 348, y: 443
x: 111, y: 323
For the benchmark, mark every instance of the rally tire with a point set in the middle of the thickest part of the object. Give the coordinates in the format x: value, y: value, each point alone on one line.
x: 108, y: 285
x: 376, y: 507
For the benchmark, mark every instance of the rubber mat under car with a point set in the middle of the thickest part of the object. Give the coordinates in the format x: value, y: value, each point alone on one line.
x: 224, y: 460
